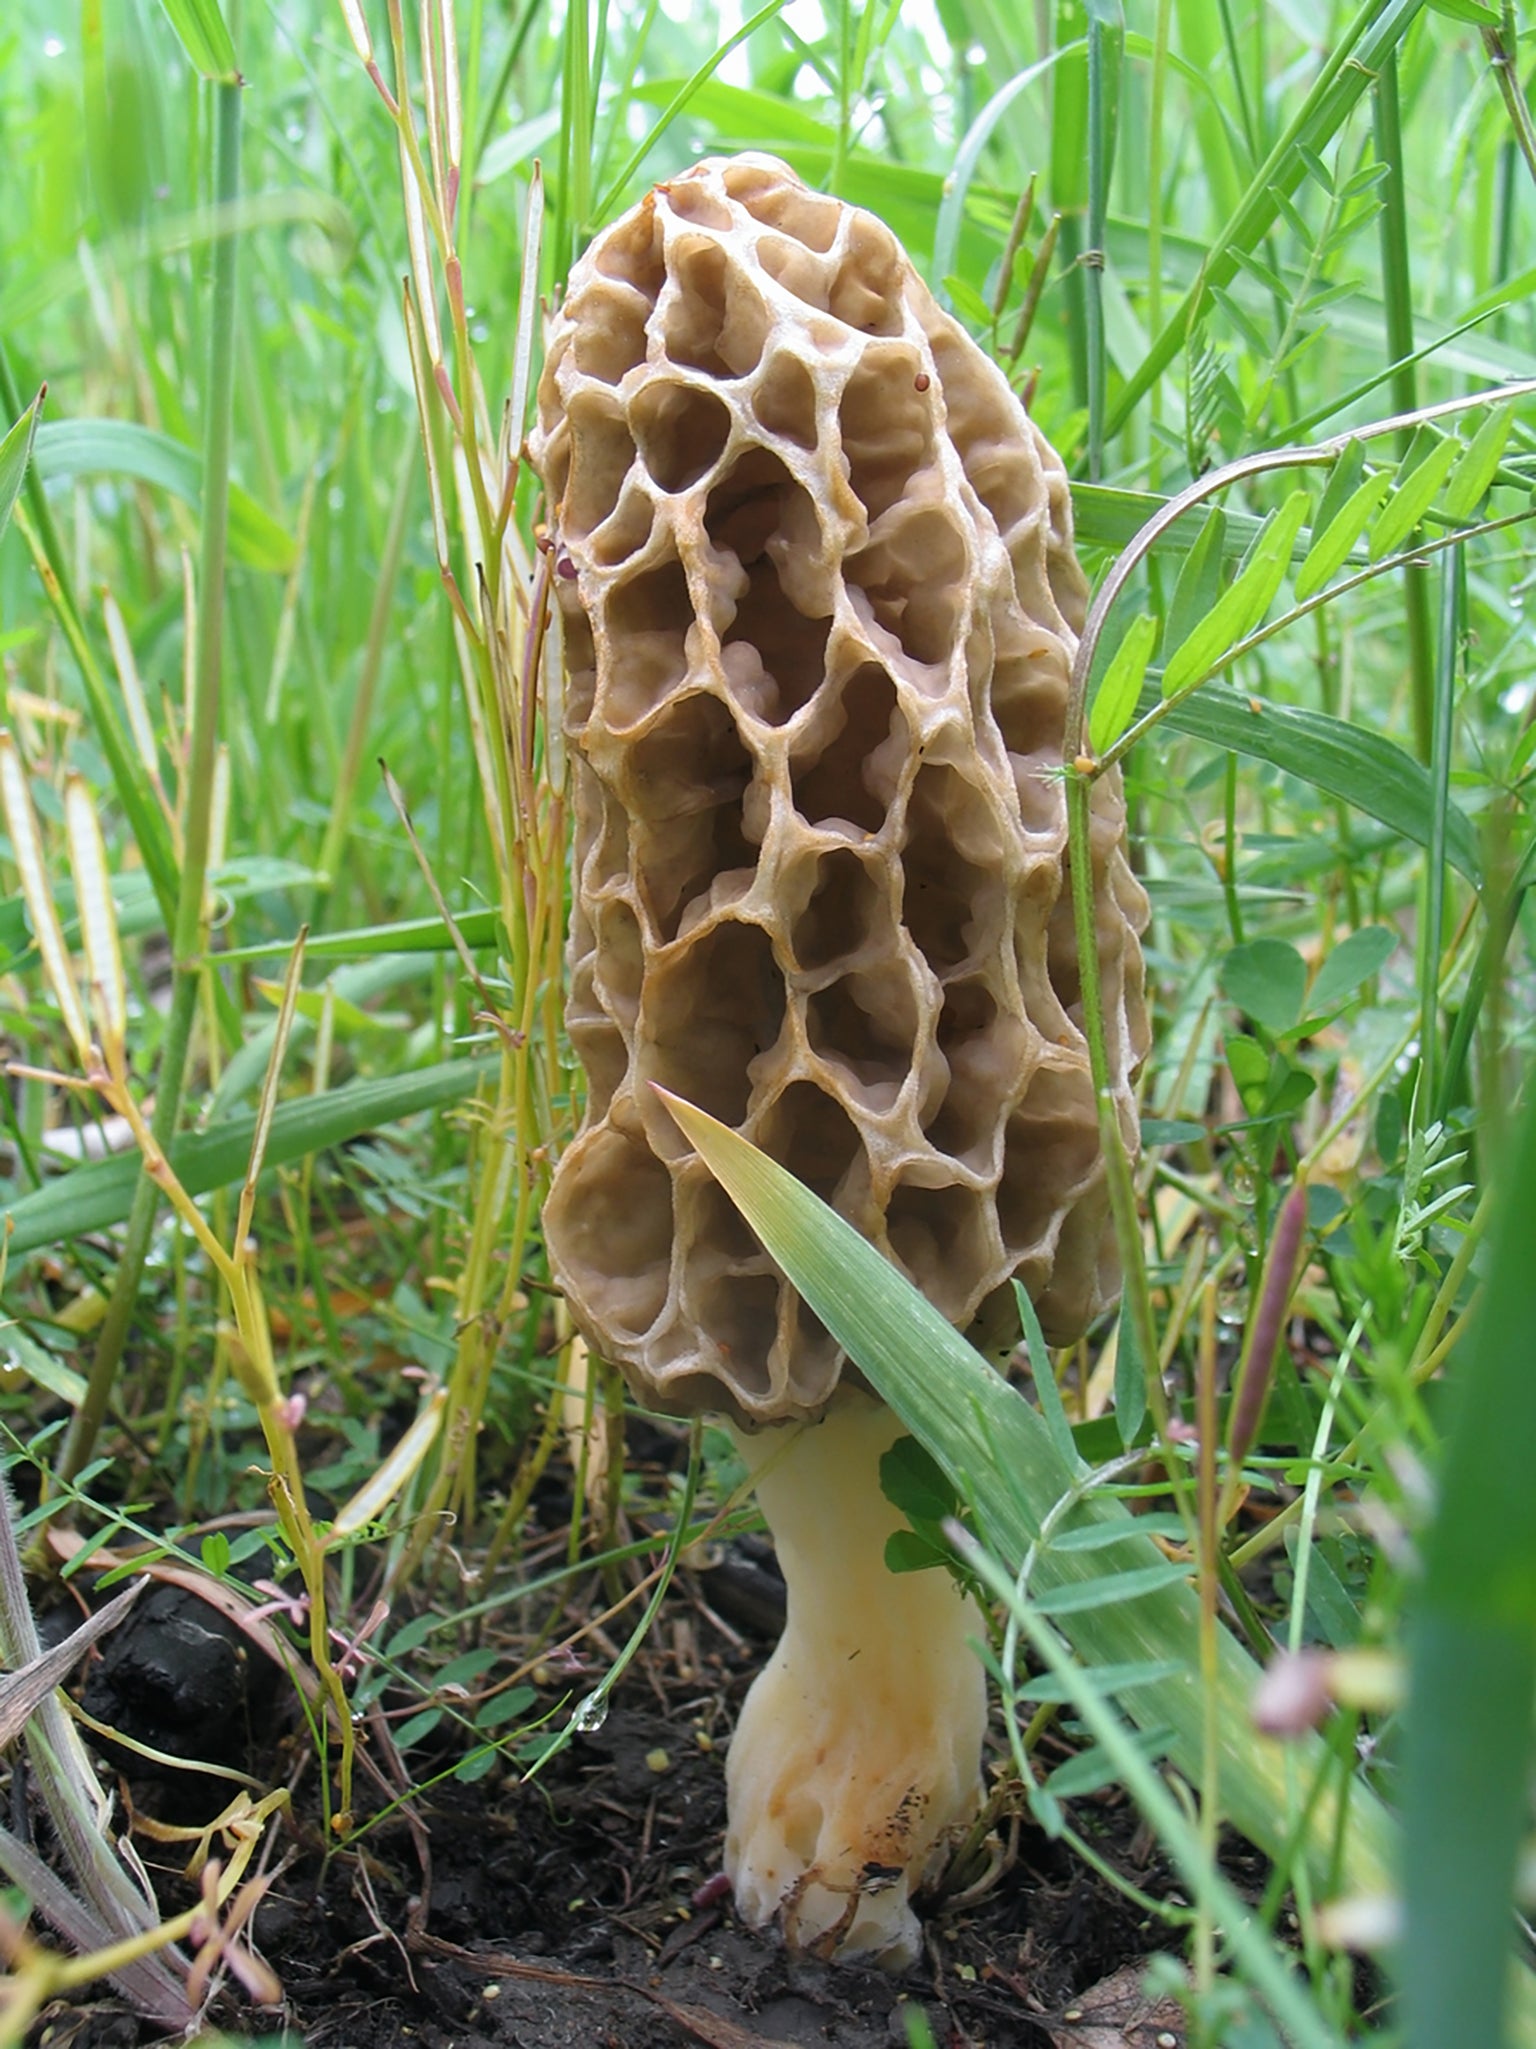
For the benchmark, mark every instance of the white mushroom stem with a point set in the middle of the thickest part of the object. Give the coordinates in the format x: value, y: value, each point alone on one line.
x: 857, y: 1758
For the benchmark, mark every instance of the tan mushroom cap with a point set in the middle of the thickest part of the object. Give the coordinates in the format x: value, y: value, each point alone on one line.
x: 819, y: 602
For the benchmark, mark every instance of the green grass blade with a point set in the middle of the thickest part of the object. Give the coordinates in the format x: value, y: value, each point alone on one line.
x: 677, y: 103
x: 1354, y: 59
x: 1363, y: 768
x: 98, y: 1197
x: 1000, y: 1455
x: 1109, y: 516
x: 1467, y: 1745
x: 957, y: 186
x: 205, y: 37
x: 122, y: 448
x: 477, y: 927
x: 15, y: 454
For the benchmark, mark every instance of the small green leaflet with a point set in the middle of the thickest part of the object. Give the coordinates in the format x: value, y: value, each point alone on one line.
x: 1243, y: 605
x: 1130, y: 1381
x: 15, y: 453
x: 1344, y: 480
x: 1475, y: 472
x: 1349, y: 964
x: 1329, y: 551
x: 1267, y: 980
x: 1477, y: 12
x: 205, y: 38
x: 912, y: 1480
x: 1114, y: 1589
x: 1412, y: 495
x: 1115, y: 699
x: 968, y: 303
x: 1107, y: 1679
x: 1199, y: 584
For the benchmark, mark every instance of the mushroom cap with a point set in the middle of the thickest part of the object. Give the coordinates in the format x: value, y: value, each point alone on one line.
x: 819, y: 603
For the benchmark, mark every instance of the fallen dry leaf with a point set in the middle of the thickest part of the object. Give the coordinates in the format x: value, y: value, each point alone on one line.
x: 1116, y: 2014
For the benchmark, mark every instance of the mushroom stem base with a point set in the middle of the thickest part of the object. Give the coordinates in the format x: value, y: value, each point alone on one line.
x: 858, y: 1753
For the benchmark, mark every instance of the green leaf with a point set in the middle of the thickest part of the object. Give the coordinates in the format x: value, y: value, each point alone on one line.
x: 15, y: 453
x: 1115, y: 699
x: 911, y: 1551
x: 913, y: 1481
x: 98, y: 1196
x: 1267, y: 980
x: 1357, y: 49
x: 80, y: 448
x: 1130, y: 1381
x: 1047, y: 1393
x: 1109, y: 516
x: 1249, y: 1066
x: 1170, y: 1131
x: 1474, y: 474
x: 998, y: 1453
x: 1199, y: 584
x: 1112, y: 1588
x: 946, y: 233
x: 1108, y: 1680
x: 1097, y: 1536
x: 467, y: 1667
x: 205, y: 38
x: 1094, y: 1768
x: 1363, y: 768
x: 506, y: 1707
x: 1472, y: 1641
x: 1353, y: 961
x: 1241, y: 607
x: 415, y: 1727
x: 1479, y: 12
x: 1413, y: 492
x: 968, y: 303
x: 1330, y: 550
x: 1344, y: 480
x: 477, y: 928
x: 20, y: 1352
x: 1292, y: 1087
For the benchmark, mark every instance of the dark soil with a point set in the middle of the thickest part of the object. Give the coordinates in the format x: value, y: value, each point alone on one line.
x: 577, y: 1912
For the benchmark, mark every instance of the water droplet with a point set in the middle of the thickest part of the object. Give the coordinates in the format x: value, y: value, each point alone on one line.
x: 590, y: 1713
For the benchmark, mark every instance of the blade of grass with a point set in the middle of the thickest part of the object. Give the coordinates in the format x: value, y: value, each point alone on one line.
x: 196, y: 795
x: 99, y: 1196
x: 1354, y: 58
x: 1000, y: 1455
x: 1472, y: 1639
x: 123, y: 448
x: 1432, y: 927
x: 1397, y: 294
x: 15, y: 454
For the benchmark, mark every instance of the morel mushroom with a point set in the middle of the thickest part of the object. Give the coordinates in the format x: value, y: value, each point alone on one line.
x: 819, y: 602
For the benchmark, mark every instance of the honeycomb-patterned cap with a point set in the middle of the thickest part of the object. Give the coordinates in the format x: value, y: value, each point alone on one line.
x: 819, y: 602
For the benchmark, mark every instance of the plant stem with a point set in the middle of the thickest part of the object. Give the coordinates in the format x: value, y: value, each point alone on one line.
x: 368, y: 675
x: 1398, y: 299
x: 196, y: 787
